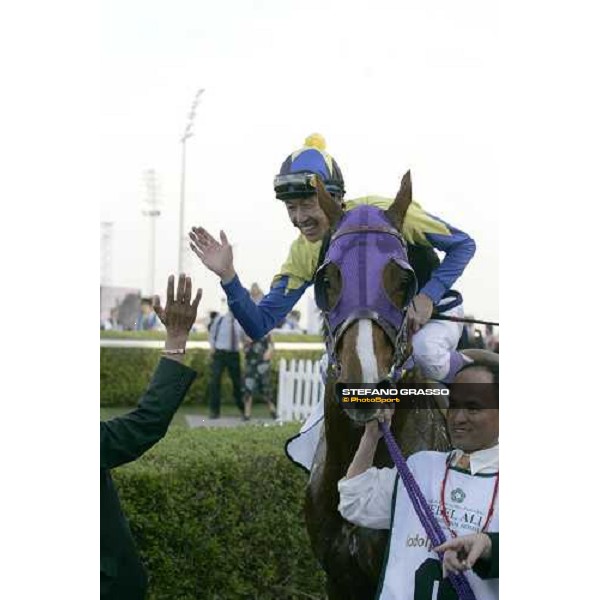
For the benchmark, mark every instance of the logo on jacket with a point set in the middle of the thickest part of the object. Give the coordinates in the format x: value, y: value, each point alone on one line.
x: 457, y: 495
x: 419, y: 541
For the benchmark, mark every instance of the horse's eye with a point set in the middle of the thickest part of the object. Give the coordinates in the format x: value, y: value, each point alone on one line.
x: 398, y: 284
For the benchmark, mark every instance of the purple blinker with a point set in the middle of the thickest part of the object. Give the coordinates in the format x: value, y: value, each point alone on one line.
x: 362, y: 245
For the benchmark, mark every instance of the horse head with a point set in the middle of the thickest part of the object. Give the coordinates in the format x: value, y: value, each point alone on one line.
x: 363, y: 287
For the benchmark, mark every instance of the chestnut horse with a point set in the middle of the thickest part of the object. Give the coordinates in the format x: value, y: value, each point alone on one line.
x: 363, y: 287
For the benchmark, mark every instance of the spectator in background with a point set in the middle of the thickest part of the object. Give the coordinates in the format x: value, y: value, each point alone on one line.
x: 114, y: 319
x: 124, y: 439
x: 212, y: 315
x: 224, y: 339
x: 465, y: 336
x: 112, y: 323
x: 147, y: 319
x: 128, y: 312
x: 492, y: 342
x: 258, y: 355
x: 292, y: 322
x: 478, y: 341
x: 471, y: 337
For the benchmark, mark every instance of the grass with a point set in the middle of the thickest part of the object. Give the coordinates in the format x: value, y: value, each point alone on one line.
x: 259, y: 411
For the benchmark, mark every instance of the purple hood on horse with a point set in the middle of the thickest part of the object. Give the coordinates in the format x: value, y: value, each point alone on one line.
x: 361, y: 260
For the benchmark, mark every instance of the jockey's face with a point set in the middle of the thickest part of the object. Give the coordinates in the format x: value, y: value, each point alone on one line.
x: 307, y: 216
x: 473, y: 426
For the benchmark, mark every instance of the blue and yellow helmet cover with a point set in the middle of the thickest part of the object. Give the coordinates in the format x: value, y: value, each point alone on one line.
x: 294, y: 179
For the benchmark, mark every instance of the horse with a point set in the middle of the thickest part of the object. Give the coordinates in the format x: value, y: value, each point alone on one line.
x: 363, y: 286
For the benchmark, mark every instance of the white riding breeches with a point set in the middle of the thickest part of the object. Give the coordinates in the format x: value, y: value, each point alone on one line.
x: 434, y: 343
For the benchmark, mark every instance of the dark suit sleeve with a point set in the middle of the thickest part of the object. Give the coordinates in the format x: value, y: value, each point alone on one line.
x: 125, y: 438
x: 489, y: 568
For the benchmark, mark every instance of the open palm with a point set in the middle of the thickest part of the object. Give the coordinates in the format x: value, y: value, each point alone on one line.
x: 179, y: 313
x: 218, y: 257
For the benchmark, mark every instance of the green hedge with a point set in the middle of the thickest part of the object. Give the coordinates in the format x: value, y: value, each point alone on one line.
x: 218, y: 514
x: 125, y: 374
x: 200, y: 337
x: 114, y: 334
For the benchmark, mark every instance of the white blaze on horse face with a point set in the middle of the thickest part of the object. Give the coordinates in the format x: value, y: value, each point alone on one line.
x: 365, y: 348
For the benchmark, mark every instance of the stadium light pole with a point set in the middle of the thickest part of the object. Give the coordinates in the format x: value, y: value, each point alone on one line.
x: 151, y: 210
x: 188, y: 133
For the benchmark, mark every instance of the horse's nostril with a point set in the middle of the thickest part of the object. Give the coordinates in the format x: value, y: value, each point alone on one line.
x: 360, y: 416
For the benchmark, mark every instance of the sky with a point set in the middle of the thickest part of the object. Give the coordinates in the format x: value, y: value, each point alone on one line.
x: 391, y: 85
x: 397, y: 85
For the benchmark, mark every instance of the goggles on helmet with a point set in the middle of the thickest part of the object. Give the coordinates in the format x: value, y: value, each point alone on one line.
x: 298, y: 185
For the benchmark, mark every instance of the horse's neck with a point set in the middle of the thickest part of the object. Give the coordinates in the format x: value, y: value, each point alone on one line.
x: 422, y: 428
x: 342, y: 438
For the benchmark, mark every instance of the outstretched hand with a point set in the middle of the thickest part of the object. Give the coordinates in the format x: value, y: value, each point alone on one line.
x: 179, y: 313
x: 218, y: 257
x: 463, y: 552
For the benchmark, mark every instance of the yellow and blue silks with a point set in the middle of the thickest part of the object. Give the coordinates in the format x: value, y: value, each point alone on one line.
x: 301, y: 262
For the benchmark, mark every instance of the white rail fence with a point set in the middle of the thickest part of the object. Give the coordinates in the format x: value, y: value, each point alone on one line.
x: 110, y: 343
x: 300, y: 389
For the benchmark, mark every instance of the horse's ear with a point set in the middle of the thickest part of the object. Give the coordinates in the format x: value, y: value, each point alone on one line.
x: 328, y: 205
x: 398, y: 208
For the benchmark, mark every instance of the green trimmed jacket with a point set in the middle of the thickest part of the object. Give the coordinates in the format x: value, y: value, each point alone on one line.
x: 122, y: 440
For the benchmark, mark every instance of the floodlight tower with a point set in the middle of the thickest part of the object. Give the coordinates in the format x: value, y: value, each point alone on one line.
x: 151, y: 210
x: 183, y: 243
x: 106, y: 248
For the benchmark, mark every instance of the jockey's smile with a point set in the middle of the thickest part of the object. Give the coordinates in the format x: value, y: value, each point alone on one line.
x: 308, y: 217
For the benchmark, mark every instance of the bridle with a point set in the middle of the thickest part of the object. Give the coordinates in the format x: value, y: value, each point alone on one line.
x: 361, y: 246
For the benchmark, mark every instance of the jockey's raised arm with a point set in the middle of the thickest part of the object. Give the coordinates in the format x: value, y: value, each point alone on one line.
x: 258, y: 319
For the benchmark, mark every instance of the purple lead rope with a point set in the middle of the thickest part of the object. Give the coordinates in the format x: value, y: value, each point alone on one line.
x: 428, y: 520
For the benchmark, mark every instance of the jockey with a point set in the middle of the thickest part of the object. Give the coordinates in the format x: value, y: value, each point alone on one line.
x: 434, y: 342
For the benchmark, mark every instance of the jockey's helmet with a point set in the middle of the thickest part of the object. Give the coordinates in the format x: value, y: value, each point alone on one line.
x: 295, y: 180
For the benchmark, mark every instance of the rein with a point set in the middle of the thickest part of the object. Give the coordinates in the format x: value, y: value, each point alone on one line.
x: 429, y: 522
x: 439, y: 317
